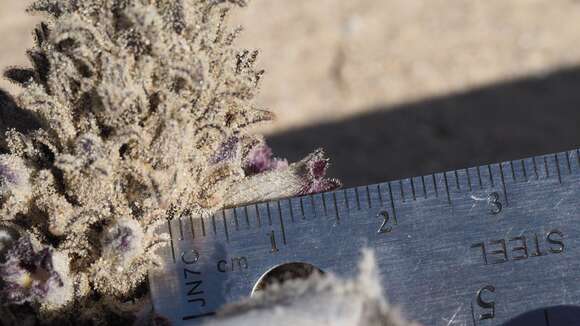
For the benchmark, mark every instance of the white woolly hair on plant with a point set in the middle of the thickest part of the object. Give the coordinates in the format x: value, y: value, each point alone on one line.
x: 15, y: 190
x: 321, y: 300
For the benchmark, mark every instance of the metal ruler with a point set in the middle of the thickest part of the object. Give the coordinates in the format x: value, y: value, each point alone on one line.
x: 496, y: 244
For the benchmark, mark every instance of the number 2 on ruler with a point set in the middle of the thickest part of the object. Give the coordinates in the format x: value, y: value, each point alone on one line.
x: 385, y: 228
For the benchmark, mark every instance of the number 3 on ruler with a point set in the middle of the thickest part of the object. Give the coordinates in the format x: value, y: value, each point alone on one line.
x: 494, y: 204
x: 384, y: 228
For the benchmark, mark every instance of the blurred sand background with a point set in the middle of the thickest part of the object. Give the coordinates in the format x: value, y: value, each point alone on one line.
x: 398, y: 88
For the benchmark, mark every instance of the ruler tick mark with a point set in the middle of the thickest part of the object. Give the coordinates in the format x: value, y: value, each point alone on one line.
x: 225, y: 226
x: 479, y: 177
x: 273, y: 242
x: 281, y: 222
x: 524, y: 170
x: 435, y: 185
x: 198, y: 316
x: 380, y: 194
x: 269, y: 213
x: 213, y: 223
x: 236, y: 219
x: 468, y: 180
x: 247, y: 216
x: 279, y: 208
x: 368, y: 196
x: 424, y: 187
x: 568, y: 164
x: 457, y: 180
x: 258, y: 219
x: 413, y: 189
x: 357, y: 197
x: 558, y: 168
x: 503, y: 184
x: 535, y: 164
x: 490, y: 176
x: 392, y: 201
x: 313, y: 205
x: 346, y: 200
x: 402, y: 190
x: 513, y: 170
x: 546, y: 317
x: 171, y: 240
x: 546, y: 167
x: 447, y: 187
x: 335, y: 207
x: 291, y: 210
x: 180, y: 228
x: 202, y: 226
x: 324, y: 204
x: 302, y: 208
x: 191, y: 224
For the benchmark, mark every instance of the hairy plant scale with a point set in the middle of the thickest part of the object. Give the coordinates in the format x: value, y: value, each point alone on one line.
x: 133, y: 111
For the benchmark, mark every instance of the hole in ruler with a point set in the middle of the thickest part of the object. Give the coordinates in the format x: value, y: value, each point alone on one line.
x: 286, y: 272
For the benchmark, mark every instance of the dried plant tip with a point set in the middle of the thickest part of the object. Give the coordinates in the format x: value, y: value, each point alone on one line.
x: 315, y: 179
x: 301, y: 178
x: 20, y: 76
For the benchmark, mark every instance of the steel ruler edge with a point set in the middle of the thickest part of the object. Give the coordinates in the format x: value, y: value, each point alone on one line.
x: 497, y: 244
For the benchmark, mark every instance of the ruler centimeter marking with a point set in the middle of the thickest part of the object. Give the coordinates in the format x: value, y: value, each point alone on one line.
x: 523, y: 173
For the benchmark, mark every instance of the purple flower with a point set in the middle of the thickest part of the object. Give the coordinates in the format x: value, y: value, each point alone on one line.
x: 27, y: 275
x: 8, y: 236
x: 13, y: 175
x: 226, y: 151
x: 260, y: 159
x: 7, y: 174
x: 123, y: 238
x: 89, y: 148
x: 315, y: 179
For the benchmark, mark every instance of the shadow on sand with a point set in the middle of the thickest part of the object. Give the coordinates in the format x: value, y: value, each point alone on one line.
x: 503, y: 121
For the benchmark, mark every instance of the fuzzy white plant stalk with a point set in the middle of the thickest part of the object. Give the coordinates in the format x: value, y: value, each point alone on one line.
x: 133, y: 111
x: 321, y: 300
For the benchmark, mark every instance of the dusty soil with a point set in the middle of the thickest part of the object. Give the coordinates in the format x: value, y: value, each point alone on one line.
x: 394, y: 88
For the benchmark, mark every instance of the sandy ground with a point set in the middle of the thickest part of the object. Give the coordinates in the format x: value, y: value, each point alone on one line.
x: 332, y: 59
x: 16, y: 27
x: 396, y: 88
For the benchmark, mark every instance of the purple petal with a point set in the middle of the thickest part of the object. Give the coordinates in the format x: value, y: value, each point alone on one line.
x: 23, y: 261
x: 260, y: 159
x: 7, y: 174
x: 315, y: 180
x: 226, y: 150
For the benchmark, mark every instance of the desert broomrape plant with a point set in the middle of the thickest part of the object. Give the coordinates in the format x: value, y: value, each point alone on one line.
x: 133, y: 111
